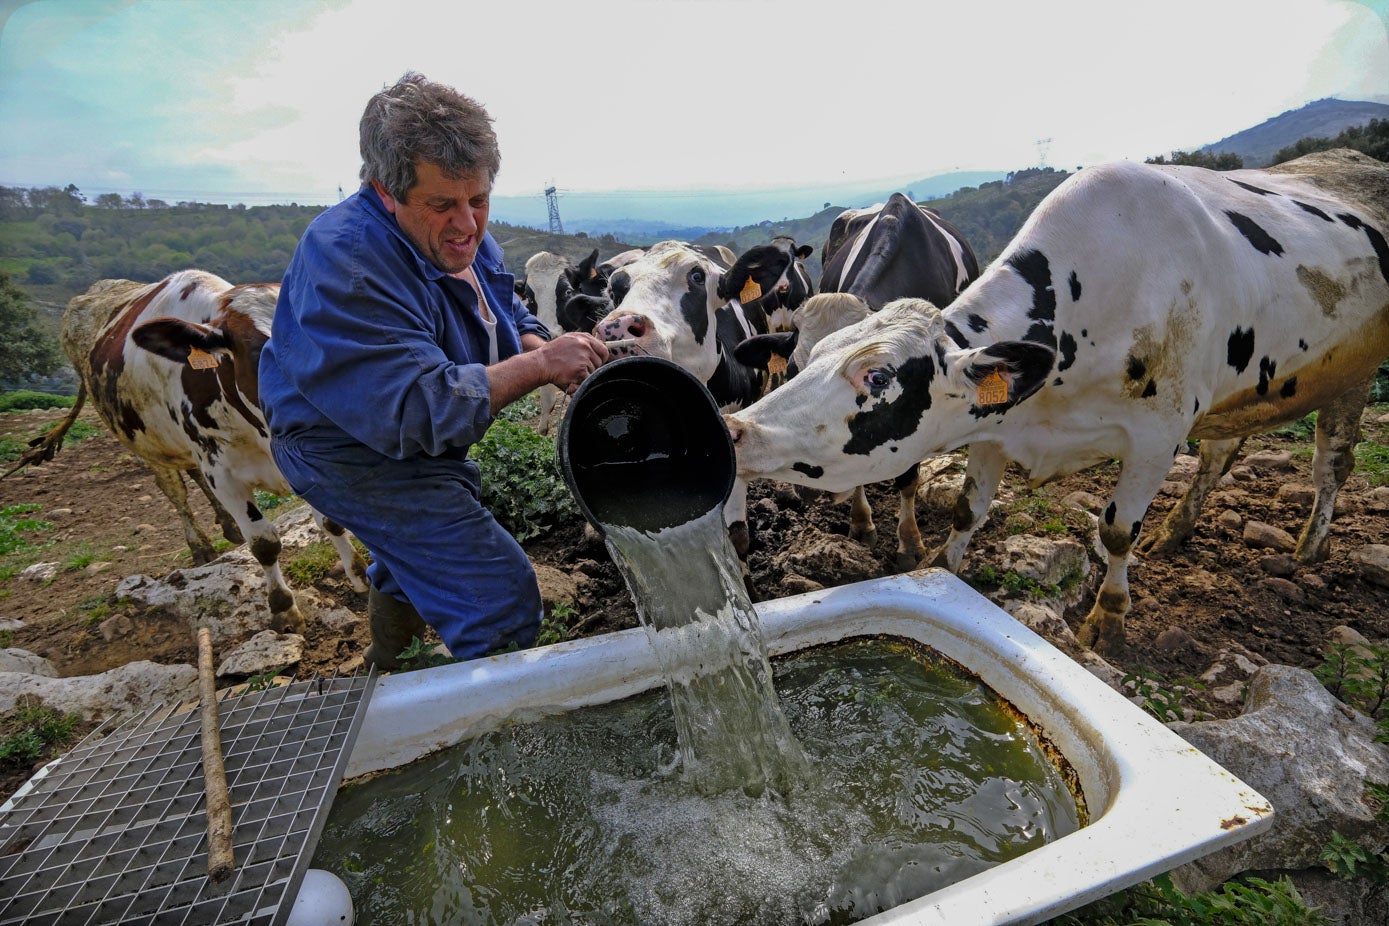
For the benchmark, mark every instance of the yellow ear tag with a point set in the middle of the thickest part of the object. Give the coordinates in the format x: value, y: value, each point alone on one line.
x: 750, y: 291
x: 776, y: 364
x: 200, y: 359
x: 993, y: 390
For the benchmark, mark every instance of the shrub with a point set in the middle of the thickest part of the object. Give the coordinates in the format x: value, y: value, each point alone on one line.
x: 521, y: 481
x: 23, y: 399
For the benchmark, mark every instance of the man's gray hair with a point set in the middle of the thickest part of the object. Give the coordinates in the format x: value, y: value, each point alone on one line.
x: 417, y: 119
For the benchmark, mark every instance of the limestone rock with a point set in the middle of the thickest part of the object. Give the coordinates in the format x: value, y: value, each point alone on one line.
x: 1270, y: 459
x: 264, y: 652
x: 1044, y: 621
x: 1045, y: 560
x: 1297, y: 494
x: 136, y: 686
x: 1309, y: 755
x: 113, y: 628
x: 1257, y: 534
x: 39, y: 572
x: 829, y: 559
x: 15, y: 659
x: 1229, y: 674
x: 1373, y: 560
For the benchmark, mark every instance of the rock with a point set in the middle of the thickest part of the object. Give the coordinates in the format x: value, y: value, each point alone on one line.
x: 1229, y: 519
x: 1044, y: 621
x: 1173, y: 640
x: 1347, y: 636
x: 793, y: 584
x: 1373, y: 560
x: 1102, y: 670
x: 1238, y: 474
x: 940, y: 493
x: 58, y: 514
x: 14, y: 659
x: 1283, y: 588
x: 1297, y: 494
x: 829, y: 559
x: 1184, y: 468
x: 95, y: 569
x: 114, y: 628
x: 1228, y: 676
x: 10, y: 623
x: 1045, y: 560
x: 39, y: 572
x: 339, y: 620
x: 1310, y: 756
x: 1378, y: 499
x: 1270, y: 459
x: 1084, y: 501
x: 558, y: 587
x: 1281, y: 565
x: 1257, y: 534
x: 137, y: 686
x: 264, y: 652
x: 1343, y: 902
x: 143, y: 528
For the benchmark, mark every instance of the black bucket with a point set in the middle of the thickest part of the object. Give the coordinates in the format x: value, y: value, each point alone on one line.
x: 643, y: 445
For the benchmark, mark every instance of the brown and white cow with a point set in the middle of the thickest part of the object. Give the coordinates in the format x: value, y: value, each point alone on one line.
x: 1138, y: 306
x: 171, y: 367
x: 668, y: 305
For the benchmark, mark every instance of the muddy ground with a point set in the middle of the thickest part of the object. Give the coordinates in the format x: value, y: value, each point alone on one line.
x: 109, y: 521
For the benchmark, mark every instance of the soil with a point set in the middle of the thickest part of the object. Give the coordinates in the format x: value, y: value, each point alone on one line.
x: 109, y: 521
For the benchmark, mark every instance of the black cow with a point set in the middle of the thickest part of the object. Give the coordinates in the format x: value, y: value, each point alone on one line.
x: 773, y: 276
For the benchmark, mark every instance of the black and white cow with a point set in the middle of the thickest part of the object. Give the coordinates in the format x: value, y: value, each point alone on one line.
x: 1138, y: 306
x: 589, y: 302
x: 774, y: 276
x: 873, y: 256
x: 668, y: 305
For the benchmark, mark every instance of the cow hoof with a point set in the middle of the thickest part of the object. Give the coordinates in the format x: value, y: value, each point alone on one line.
x: 288, y: 622
x: 866, y: 537
x: 906, y: 562
x: 1161, y: 543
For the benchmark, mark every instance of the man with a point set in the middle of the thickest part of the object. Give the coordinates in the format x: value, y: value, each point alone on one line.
x: 397, y: 337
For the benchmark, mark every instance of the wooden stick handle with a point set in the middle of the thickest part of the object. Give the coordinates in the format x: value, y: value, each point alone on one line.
x: 220, y: 860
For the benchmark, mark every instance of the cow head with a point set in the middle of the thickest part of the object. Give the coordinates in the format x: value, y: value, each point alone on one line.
x: 666, y: 304
x: 819, y: 317
x: 880, y: 395
x: 773, y: 276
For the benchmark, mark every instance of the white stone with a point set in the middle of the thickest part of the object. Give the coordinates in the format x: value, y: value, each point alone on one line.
x: 1373, y: 560
x: 15, y: 659
x: 264, y: 652
x: 40, y: 572
x: 136, y: 686
x: 1045, y: 560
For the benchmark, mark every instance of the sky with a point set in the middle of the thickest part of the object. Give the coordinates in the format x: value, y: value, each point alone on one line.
x: 257, y: 101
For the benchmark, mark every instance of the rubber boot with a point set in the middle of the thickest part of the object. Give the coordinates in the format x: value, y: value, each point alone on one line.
x: 394, y: 624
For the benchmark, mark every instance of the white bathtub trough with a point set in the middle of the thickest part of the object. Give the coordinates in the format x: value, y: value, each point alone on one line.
x: 1154, y: 801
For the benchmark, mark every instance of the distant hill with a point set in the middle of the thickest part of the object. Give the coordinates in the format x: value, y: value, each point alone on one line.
x: 1320, y: 118
x: 651, y: 215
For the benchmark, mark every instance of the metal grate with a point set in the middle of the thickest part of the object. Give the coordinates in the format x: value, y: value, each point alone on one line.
x: 116, y: 830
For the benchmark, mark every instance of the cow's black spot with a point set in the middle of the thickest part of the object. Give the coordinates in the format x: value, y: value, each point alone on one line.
x: 1150, y: 390
x: 1034, y: 268
x: 1196, y: 407
x: 814, y: 472
x: 886, y: 422
x: 1251, y: 188
x: 1376, y: 241
x: 694, y: 304
x: 1041, y: 333
x: 1085, y: 332
x: 1301, y: 344
x: 1263, y: 242
x: 956, y: 335
x: 1289, y: 388
x: 1109, y: 514
x: 1056, y: 382
x: 1267, y: 368
x: 1134, y: 529
x: 1068, y: 351
x: 1075, y: 287
x: 1240, y: 349
x: 1314, y: 210
x: 978, y: 323
x: 253, y: 512
x: 1135, y: 368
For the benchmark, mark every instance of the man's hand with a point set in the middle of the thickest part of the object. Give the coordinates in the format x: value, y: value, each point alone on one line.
x: 571, y: 358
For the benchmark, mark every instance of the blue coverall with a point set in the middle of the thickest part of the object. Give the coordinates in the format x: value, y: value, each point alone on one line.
x: 374, y: 386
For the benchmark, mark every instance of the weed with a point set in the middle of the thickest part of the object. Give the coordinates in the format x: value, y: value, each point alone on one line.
x: 262, y: 682
x: 1372, y: 462
x: 555, y: 626
x: 25, y: 399
x: 269, y: 501
x: 1159, y: 700
x: 1304, y: 429
x: 97, y: 608
x: 1246, y: 902
x: 312, y: 563
x: 33, y: 731
x: 421, y: 655
x: 13, y: 524
x: 80, y: 558
x: 521, y: 482
x: 6, y: 639
x: 528, y: 406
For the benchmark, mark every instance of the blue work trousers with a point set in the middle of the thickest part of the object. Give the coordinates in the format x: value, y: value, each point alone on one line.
x: 431, y: 540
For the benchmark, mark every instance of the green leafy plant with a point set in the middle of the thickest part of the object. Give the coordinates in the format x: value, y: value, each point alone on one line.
x: 1303, y: 429
x: 1245, y: 902
x: 422, y: 655
x: 311, y: 563
x: 1359, y: 676
x: 526, y: 407
x: 1372, y: 462
x: 25, y: 399
x: 1347, y: 859
x: 34, y: 731
x: 554, y: 628
x: 521, y: 482
x: 264, y: 681
x: 269, y: 501
x: 13, y: 524
x: 1156, y: 697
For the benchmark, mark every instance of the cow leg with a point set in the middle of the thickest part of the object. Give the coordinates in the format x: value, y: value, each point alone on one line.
x: 910, y: 549
x: 170, y: 482
x: 1338, y: 427
x: 549, y: 400
x: 1120, y: 524
x: 224, y: 517
x: 1216, y: 456
x: 354, y: 567
x: 861, y: 526
x: 736, y: 516
x: 285, y: 616
x: 983, y: 472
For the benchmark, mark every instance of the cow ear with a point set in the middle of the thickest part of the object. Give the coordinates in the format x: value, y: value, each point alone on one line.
x: 758, y: 350
x: 1008, y: 372
x: 177, y: 340
x: 804, y: 251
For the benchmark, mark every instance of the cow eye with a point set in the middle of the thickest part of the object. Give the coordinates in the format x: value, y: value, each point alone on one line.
x: 697, y: 277
x: 877, y: 379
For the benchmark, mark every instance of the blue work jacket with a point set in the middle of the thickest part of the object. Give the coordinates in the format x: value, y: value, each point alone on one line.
x: 374, y: 345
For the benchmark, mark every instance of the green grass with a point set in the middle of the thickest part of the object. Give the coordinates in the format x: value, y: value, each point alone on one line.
x: 23, y: 399
x: 14, y: 524
x: 12, y: 447
x: 312, y: 563
x: 1244, y: 902
x: 1372, y: 462
x: 34, y: 731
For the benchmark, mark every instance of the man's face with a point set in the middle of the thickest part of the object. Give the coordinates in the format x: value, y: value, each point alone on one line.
x: 445, y: 218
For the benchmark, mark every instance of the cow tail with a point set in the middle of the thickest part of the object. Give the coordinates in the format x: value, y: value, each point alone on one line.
x: 42, y: 448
